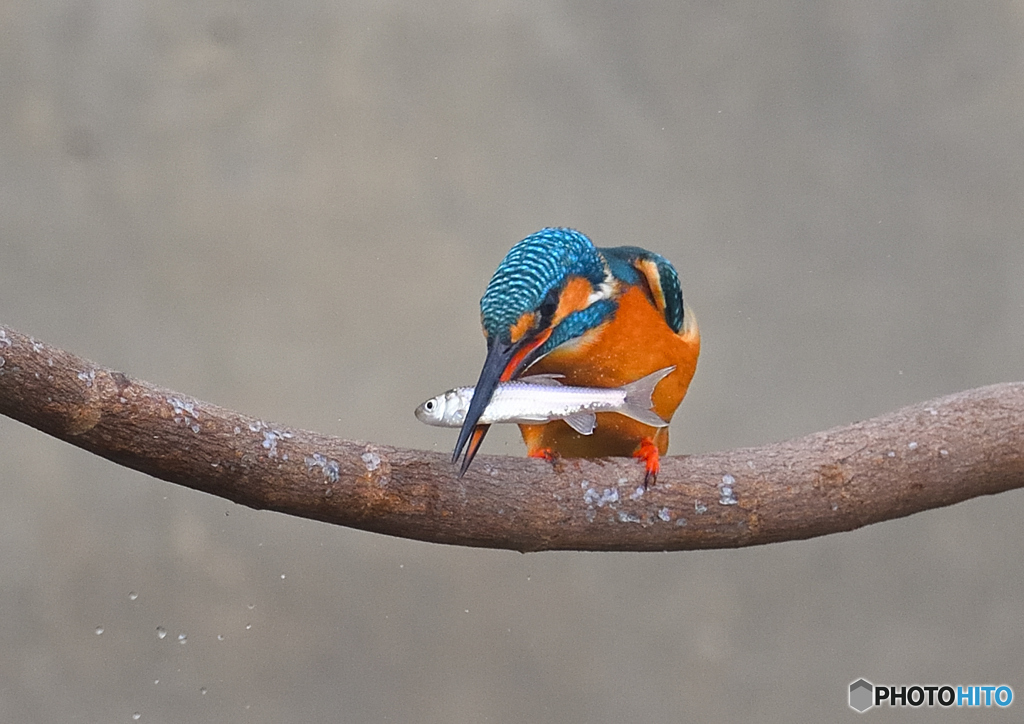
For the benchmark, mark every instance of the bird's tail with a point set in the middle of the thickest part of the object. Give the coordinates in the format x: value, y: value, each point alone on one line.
x: 638, y: 403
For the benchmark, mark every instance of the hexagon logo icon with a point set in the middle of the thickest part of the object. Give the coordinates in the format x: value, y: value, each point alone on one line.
x: 861, y: 695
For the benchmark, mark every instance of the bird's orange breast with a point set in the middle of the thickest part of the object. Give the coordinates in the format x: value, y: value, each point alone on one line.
x: 635, y: 342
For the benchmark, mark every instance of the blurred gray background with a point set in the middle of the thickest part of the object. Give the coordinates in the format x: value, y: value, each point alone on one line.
x: 292, y: 208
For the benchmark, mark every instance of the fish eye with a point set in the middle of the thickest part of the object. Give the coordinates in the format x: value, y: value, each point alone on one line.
x: 429, y: 406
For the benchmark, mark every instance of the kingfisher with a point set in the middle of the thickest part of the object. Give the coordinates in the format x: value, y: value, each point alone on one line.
x: 599, y: 317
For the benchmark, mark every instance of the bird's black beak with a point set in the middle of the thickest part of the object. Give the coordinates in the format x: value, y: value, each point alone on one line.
x: 499, y: 355
x: 504, y: 361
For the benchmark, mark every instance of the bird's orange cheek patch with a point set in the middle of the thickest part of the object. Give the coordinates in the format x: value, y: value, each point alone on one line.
x: 522, y: 326
x: 573, y: 298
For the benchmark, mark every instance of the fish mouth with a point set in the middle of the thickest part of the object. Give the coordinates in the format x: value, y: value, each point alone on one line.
x: 422, y: 415
x: 504, y: 362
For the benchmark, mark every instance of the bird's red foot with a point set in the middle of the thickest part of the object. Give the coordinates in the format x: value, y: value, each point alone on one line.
x: 648, y: 452
x: 544, y: 453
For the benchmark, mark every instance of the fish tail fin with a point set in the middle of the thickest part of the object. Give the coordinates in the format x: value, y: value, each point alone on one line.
x: 638, y: 403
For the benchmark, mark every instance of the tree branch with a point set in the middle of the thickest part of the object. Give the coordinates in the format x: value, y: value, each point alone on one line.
x: 920, y: 457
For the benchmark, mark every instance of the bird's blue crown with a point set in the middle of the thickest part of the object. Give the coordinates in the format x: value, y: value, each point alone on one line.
x: 530, y: 270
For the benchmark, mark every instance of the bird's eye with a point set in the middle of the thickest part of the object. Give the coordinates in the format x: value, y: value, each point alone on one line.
x: 548, y: 306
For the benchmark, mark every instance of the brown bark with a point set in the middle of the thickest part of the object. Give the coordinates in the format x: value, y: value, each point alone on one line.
x: 920, y: 457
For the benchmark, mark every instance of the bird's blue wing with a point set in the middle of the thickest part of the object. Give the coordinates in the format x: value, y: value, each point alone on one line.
x: 655, y: 273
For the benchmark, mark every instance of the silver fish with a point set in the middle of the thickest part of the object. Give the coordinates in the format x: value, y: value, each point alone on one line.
x: 542, y: 398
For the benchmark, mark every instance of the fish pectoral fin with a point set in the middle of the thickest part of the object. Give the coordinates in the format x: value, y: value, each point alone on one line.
x: 582, y: 422
x: 548, y: 380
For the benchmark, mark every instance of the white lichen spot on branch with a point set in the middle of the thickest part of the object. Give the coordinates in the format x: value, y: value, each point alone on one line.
x: 378, y: 467
x: 330, y: 468
x: 185, y: 412
x: 725, y: 491
x: 371, y: 460
x: 270, y: 440
x: 608, y: 497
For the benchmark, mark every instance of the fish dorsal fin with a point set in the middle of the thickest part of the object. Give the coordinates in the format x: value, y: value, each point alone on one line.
x: 582, y: 422
x: 550, y: 379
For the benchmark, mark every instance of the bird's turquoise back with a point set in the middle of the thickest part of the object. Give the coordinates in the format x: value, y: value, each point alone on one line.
x: 623, y: 262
